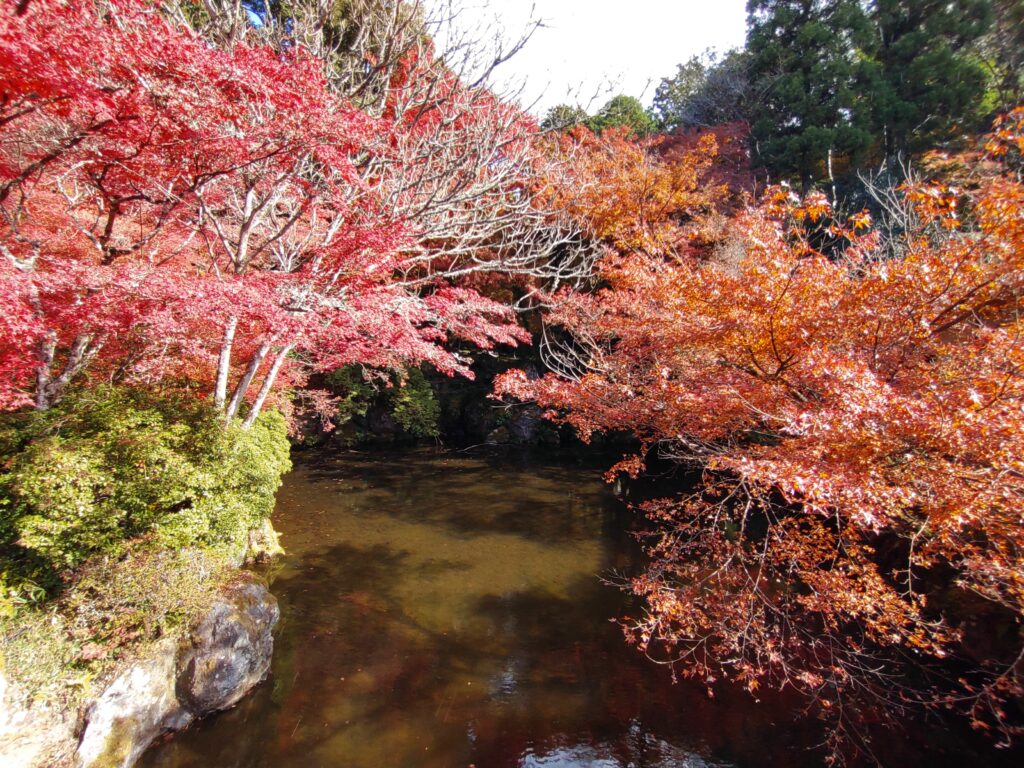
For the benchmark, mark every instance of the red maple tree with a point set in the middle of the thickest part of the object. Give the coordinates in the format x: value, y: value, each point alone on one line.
x: 174, y: 212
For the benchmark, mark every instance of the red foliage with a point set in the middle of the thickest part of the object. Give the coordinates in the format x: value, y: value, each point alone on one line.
x: 732, y: 169
x: 175, y: 212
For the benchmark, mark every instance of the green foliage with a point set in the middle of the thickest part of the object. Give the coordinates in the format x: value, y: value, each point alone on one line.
x: 355, y: 392
x: 803, y: 61
x: 563, y: 117
x: 144, y: 595
x: 406, y: 395
x: 1002, y: 49
x: 921, y: 82
x: 706, y: 91
x: 840, y: 82
x: 113, y: 465
x: 414, y: 407
x: 113, y: 605
x: 623, y: 111
x: 194, y: 12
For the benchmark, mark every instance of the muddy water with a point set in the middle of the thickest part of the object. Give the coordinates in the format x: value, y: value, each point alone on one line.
x: 444, y: 611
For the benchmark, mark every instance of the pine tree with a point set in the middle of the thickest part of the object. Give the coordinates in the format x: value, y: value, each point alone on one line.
x: 623, y: 112
x: 803, y: 68
x: 562, y: 117
x: 919, y: 79
x: 707, y: 91
x: 1003, y: 50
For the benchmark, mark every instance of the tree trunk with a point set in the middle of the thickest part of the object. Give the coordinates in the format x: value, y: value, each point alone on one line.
x: 246, y: 380
x: 78, y: 357
x: 49, y: 390
x: 831, y: 178
x: 268, y: 383
x: 47, y: 349
x: 220, y: 393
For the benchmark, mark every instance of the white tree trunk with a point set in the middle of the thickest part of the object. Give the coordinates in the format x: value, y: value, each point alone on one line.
x: 268, y: 383
x: 246, y: 380
x: 47, y: 349
x: 220, y: 393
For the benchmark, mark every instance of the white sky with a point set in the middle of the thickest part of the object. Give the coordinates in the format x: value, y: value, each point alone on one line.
x: 590, y: 50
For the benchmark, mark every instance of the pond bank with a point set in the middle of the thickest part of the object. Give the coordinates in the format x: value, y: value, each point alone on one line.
x: 166, y: 687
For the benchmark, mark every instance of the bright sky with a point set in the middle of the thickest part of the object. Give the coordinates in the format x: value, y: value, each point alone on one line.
x: 590, y: 50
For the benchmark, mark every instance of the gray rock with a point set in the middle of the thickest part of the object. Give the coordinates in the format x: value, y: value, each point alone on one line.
x: 133, y: 710
x: 380, y: 424
x: 264, y: 544
x: 526, y: 424
x: 499, y: 436
x: 226, y: 654
x: 229, y: 651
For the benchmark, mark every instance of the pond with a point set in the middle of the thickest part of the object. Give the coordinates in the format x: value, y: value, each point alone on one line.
x: 444, y: 610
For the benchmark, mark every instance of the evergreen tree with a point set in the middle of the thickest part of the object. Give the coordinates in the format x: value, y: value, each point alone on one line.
x: 921, y: 83
x: 706, y: 91
x: 803, y: 64
x: 623, y: 111
x: 1002, y: 50
x: 562, y: 117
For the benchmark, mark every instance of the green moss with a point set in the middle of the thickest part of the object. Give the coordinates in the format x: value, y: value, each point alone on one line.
x: 119, y: 745
x: 111, y: 610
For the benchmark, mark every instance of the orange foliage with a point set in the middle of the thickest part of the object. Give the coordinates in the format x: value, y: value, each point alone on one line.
x: 731, y: 169
x: 860, y: 423
x: 624, y: 196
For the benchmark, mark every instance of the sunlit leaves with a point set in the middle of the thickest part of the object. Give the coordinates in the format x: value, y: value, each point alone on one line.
x: 858, y: 418
x: 157, y: 191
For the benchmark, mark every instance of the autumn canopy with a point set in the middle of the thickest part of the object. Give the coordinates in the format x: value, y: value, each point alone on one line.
x: 229, y: 219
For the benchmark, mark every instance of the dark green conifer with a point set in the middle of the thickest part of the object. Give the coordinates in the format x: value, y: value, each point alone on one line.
x: 803, y: 67
x: 922, y: 80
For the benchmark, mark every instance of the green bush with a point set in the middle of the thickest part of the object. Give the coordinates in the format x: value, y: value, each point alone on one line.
x: 413, y: 405
x: 407, y: 396
x: 355, y: 393
x: 113, y: 465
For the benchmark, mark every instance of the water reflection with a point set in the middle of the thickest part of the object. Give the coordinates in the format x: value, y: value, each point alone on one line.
x: 443, y: 611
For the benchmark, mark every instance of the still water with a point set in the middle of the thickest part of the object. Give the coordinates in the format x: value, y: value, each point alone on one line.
x: 441, y: 610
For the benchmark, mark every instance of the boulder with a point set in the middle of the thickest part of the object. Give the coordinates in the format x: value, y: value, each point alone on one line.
x: 525, y: 425
x: 32, y: 734
x: 499, y: 436
x: 229, y: 651
x: 133, y: 710
x: 264, y: 544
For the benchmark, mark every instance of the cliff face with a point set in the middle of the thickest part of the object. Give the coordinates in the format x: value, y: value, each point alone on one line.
x: 179, y: 680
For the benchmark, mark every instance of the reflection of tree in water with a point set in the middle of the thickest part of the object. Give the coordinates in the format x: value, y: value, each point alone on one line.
x: 541, y: 502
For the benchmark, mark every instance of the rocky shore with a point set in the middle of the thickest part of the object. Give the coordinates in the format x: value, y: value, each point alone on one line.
x: 176, y: 681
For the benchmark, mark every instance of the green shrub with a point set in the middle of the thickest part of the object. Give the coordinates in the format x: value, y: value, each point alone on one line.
x: 413, y: 405
x: 407, y: 396
x: 355, y: 393
x: 113, y: 465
